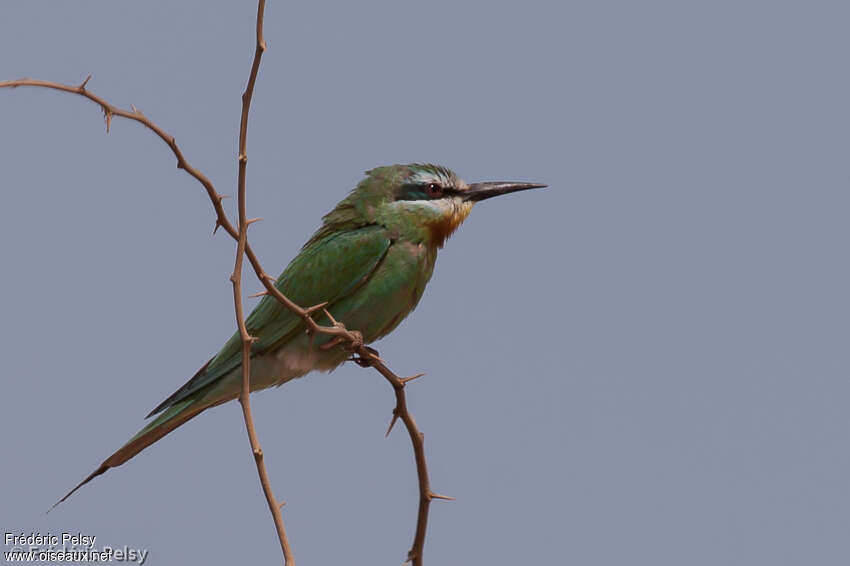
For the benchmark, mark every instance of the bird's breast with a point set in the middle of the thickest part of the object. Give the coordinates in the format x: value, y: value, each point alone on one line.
x: 390, y: 293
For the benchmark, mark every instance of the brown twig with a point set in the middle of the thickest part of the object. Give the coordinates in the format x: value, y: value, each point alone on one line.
x: 236, y: 279
x: 350, y: 339
x: 417, y: 439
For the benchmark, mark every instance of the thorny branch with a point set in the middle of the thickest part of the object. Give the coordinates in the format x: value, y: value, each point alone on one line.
x: 349, y: 339
x: 236, y: 279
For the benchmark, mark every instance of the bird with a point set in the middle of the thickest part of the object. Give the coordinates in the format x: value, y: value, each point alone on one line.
x: 369, y: 261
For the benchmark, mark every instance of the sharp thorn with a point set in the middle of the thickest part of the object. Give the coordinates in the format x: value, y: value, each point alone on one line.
x: 314, y: 308
x: 260, y: 294
x: 84, y: 83
x: 392, y: 423
x: 330, y: 317
x: 217, y: 226
x: 432, y: 495
x: 411, y: 378
x: 252, y: 220
x: 281, y: 504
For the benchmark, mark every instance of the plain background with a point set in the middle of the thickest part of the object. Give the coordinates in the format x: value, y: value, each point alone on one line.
x: 645, y: 363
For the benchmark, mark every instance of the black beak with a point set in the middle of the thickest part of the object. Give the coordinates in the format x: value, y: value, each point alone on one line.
x: 481, y: 191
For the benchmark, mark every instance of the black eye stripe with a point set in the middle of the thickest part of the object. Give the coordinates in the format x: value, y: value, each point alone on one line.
x: 424, y: 191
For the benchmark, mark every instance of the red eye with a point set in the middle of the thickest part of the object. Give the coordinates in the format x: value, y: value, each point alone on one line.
x: 433, y: 190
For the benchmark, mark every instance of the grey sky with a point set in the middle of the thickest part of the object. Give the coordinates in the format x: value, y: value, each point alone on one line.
x: 645, y: 363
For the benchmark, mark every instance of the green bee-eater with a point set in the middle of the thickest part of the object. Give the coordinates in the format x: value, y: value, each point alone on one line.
x: 370, y: 261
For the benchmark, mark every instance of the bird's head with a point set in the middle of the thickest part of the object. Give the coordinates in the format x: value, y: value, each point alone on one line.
x: 418, y: 202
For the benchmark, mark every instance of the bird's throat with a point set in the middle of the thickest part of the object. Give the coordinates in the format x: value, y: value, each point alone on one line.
x: 443, y: 227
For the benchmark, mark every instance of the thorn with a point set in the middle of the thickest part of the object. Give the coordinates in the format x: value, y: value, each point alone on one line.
x: 222, y: 197
x: 392, y: 422
x: 260, y: 294
x: 411, y: 378
x: 314, y: 308
x: 252, y: 220
x: 330, y: 317
x: 217, y: 226
x: 269, y: 277
x: 134, y: 109
x: 432, y: 495
x: 281, y: 504
x: 84, y: 83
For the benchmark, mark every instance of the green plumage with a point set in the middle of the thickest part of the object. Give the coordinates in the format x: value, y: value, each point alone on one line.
x: 326, y: 270
x: 370, y: 261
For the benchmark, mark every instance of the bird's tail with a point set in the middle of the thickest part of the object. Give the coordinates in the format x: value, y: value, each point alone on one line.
x: 171, y: 418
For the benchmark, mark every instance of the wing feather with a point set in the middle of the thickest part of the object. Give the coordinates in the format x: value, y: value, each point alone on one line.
x: 326, y: 270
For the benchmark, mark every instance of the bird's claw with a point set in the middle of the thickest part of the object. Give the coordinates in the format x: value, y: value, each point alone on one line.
x: 362, y: 361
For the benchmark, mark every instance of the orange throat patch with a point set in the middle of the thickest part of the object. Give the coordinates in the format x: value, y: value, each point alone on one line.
x: 444, y: 227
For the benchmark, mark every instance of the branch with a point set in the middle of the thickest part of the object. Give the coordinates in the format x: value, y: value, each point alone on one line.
x: 236, y: 279
x: 367, y: 357
x: 352, y: 340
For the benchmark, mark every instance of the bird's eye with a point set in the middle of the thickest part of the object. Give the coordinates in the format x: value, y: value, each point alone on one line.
x: 433, y: 190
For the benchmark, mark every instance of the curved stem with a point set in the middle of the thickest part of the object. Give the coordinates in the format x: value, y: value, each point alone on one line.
x: 236, y: 279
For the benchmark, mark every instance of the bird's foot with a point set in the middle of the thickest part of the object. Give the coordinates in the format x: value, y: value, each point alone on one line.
x: 362, y: 361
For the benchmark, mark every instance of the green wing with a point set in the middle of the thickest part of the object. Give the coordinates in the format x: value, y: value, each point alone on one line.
x: 326, y: 270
